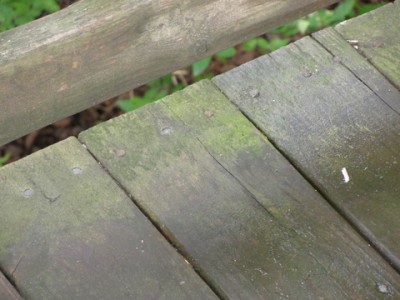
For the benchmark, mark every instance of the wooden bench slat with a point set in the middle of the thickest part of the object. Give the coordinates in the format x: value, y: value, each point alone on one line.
x: 377, y: 37
x: 69, y: 232
x: 346, y: 54
x: 97, y: 49
x: 7, y: 291
x: 330, y: 125
x: 251, y: 225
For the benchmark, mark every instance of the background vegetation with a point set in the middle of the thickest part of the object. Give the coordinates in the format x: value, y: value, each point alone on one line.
x: 18, y: 12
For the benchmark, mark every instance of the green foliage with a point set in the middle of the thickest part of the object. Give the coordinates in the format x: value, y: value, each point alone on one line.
x: 252, y: 44
x: 324, y: 17
x: 263, y: 45
x: 227, y: 53
x: 4, y: 159
x: 18, y: 12
x: 200, y: 66
x: 156, y: 90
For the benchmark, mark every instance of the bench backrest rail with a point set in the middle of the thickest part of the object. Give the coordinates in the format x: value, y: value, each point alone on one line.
x: 96, y: 49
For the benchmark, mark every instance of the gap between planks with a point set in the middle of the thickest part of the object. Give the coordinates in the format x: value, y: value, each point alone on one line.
x: 359, y: 227
x: 8, y: 288
x: 347, y: 217
x: 163, y: 231
x: 357, y: 76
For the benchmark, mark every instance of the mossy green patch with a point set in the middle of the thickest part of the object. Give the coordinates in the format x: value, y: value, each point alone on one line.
x: 216, y: 122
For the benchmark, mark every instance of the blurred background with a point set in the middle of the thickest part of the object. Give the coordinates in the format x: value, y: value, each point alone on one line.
x: 17, y: 12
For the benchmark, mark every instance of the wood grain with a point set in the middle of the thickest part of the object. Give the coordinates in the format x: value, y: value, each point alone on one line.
x: 378, y: 38
x: 324, y: 119
x: 97, y: 49
x: 347, y: 55
x: 248, y: 222
x: 69, y: 232
x: 7, y: 291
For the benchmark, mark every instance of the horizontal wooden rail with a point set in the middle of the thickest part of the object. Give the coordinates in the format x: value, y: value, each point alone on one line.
x: 96, y: 49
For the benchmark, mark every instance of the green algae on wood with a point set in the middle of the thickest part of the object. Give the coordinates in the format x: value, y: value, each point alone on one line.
x: 69, y: 232
x: 242, y: 215
x: 329, y: 123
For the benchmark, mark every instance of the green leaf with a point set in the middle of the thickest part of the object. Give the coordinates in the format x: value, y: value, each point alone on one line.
x: 364, y: 8
x: 162, y: 82
x: 303, y: 25
x: 50, y: 6
x: 275, y: 44
x: 287, y: 30
x: 250, y: 45
x: 263, y: 43
x: 343, y: 10
x: 18, y: 12
x: 154, y: 94
x: 126, y: 105
x: 227, y: 53
x: 4, y: 159
x: 200, y: 66
x: 150, y: 94
x: 133, y: 103
x: 209, y: 75
x: 178, y: 87
x: 166, y: 81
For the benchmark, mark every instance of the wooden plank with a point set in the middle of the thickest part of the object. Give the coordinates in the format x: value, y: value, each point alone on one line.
x: 376, y: 36
x: 347, y: 55
x: 329, y: 124
x: 238, y: 210
x: 97, y: 49
x: 7, y: 291
x: 69, y: 232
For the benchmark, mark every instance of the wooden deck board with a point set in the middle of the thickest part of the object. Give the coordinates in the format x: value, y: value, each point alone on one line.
x: 251, y: 225
x: 324, y: 119
x: 377, y: 37
x: 347, y: 55
x: 69, y: 232
x: 7, y: 291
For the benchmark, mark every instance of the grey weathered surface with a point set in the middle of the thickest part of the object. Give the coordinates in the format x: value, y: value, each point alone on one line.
x: 324, y: 119
x: 7, y: 291
x: 378, y: 38
x: 251, y: 225
x: 69, y: 232
x: 346, y: 54
x: 97, y: 49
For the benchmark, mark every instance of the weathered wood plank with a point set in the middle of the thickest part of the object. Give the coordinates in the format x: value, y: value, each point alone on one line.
x: 239, y: 211
x: 377, y: 37
x: 324, y: 119
x: 69, y: 232
x: 7, y: 291
x: 346, y: 54
x: 97, y: 49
